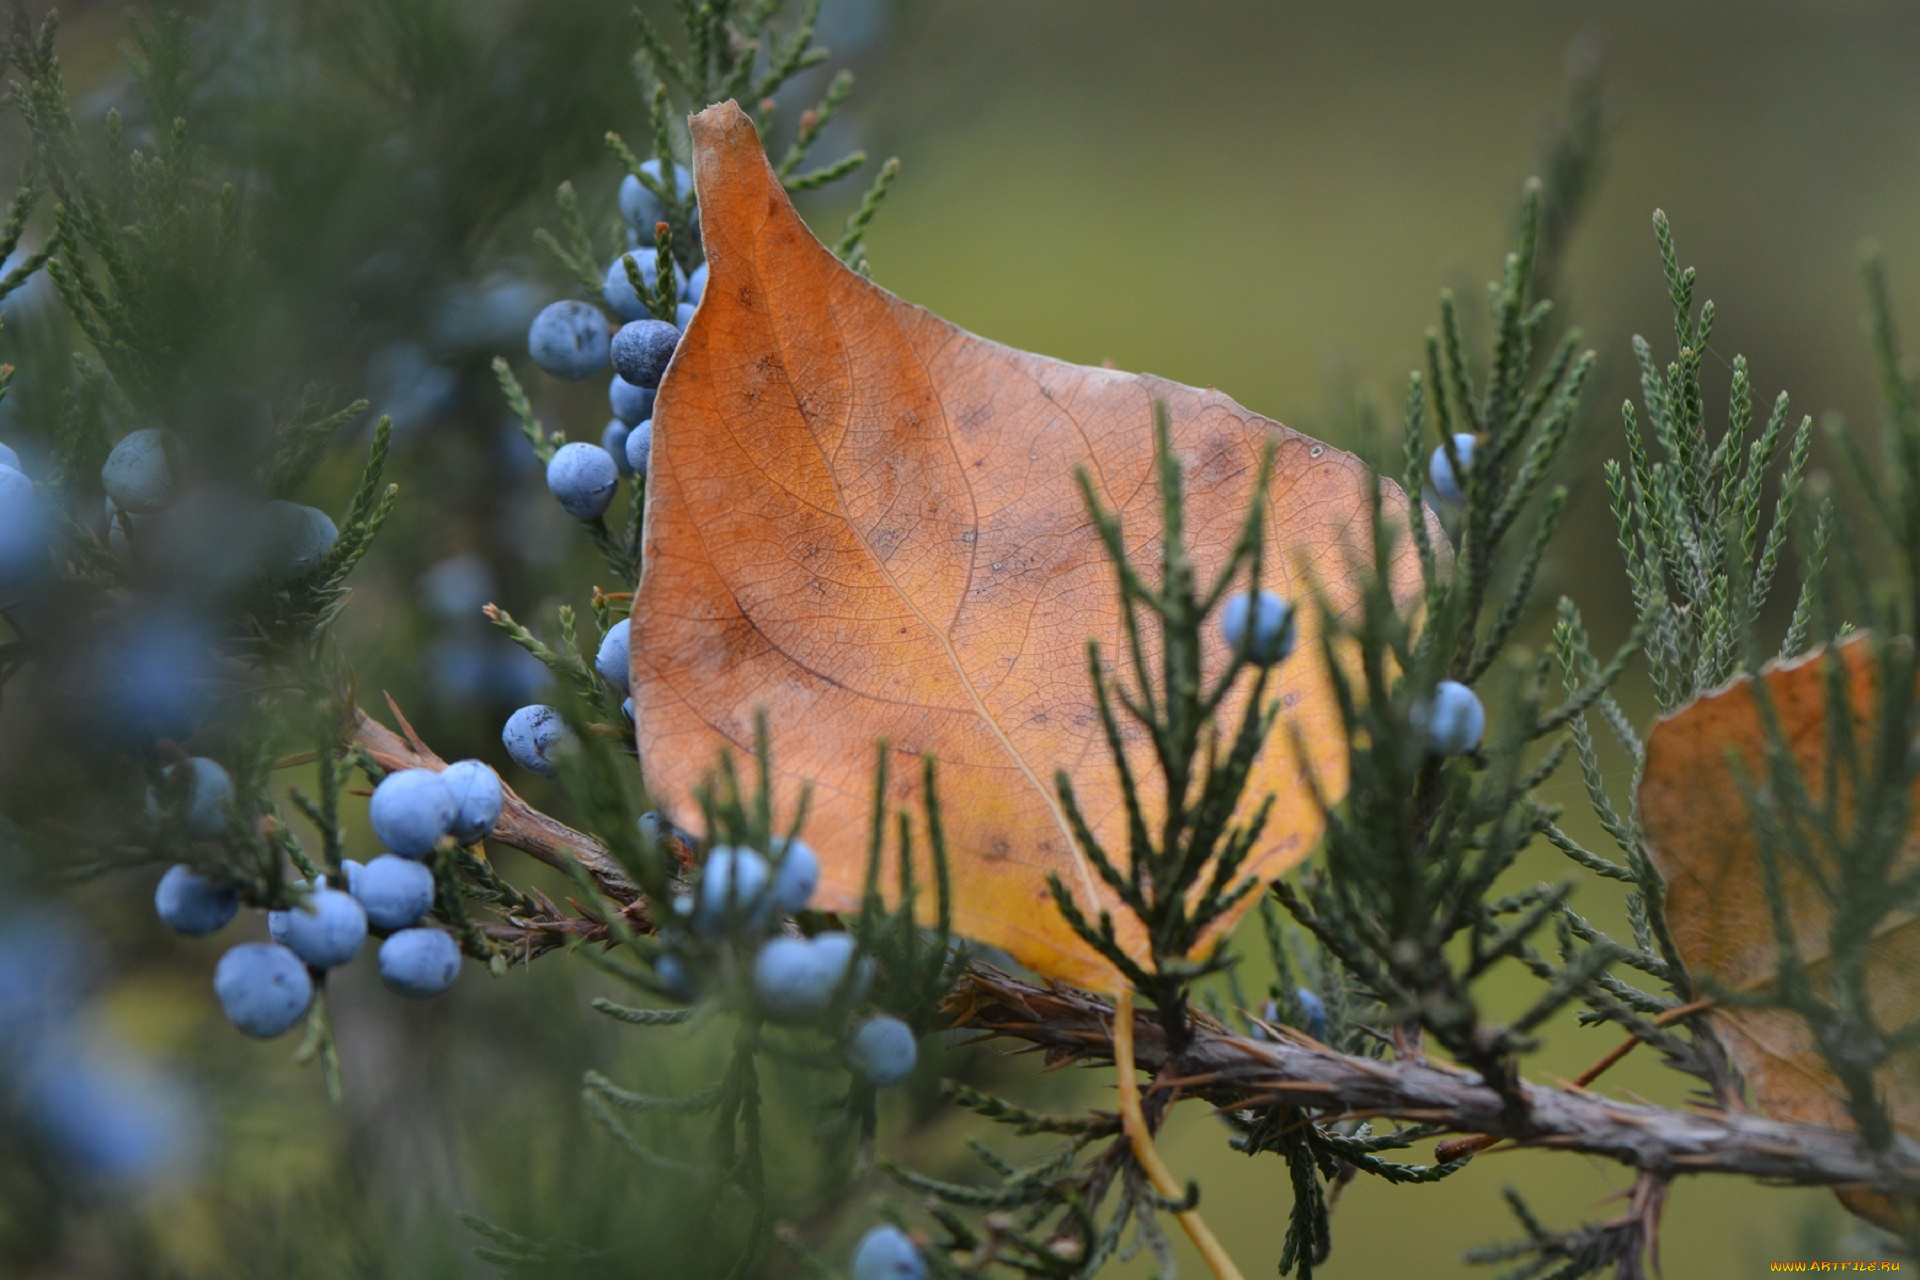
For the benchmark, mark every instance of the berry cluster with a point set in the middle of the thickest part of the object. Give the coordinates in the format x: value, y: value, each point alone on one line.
x: 147, y: 513
x: 736, y: 909
x: 265, y: 988
x: 574, y: 340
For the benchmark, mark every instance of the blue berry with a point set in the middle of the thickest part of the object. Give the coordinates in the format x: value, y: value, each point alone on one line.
x: 411, y: 810
x: 277, y: 921
x: 696, y: 284
x: 118, y: 522
x: 327, y: 929
x: 190, y: 903
x: 108, y: 1113
x: 153, y: 676
x: 683, y: 315
x: 584, y: 478
x: 263, y: 988
x: 530, y: 736
x: 208, y: 791
x: 394, y: 891
x: 611, y: 660
x: 294, y: 540
x: 675, y: 978
x: 796, y: 878
x: 733, y: 884
x: 887, y: 1253
x: 23, y: 528
x: 137, y: 474
x: 884, y: 1050
x: 350, y: 871
x: 641, y: 208
x: 1453, y: 719
x: 459, y: 586
x: 477, y: 799
x: 569, y: 340
x: 642, y: 349
x: 419, y: 962
x: 613, y: 438
x: 44, y: 959
x: 1313, y: 1012
x: 1447, y: 486
x: 1261, y: 625
x: 632, y: 405
x: 796, y: 979
x: 8, y: 458
x: 626, y: 708
x: 485, y: 315
x: 658, y: 829
x: 640, y: 448
x: 618, y: 289
x: 408, y: 385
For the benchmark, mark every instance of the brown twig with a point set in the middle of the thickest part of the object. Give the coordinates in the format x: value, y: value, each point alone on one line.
x: 521, y: 826
x: 1230, y: 1070
x: 1454, y: 1148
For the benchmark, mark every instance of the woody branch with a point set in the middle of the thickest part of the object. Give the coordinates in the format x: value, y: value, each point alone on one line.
x: 1229, y: 1070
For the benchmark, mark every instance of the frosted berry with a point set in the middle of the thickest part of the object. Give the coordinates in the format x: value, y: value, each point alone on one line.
x: 1260, y: 624
x: 696, y: 284
x: 138, y: 475
x: 394, y: 891
x: 277, y: 920
x: 531, y: 735
x: 419, y: 962
x: 796, y: 979
x: 294, y: 540
x: 327, y: 929
x: 477, y: 799
x: 641, y: 208
x: 190, y: 903
x: 263, y: 988
x: 584, y: 478
x: 887, y: 1253
x: 107, y: 1112
x: 1313, y: 1012
x: 1450, y: 487
x: 611, y: 660
x: 797, y: 876
x: 883, y: 1050
x: 411, y: 810
x: 613, y: 438
x: 640, y: 448
x: 23, y: 528
x: 1453, y: 719
x: 152, y: 676
x: 209, y: 789
x: 683, y: 315
x: 632, y: 405
x: 642, y: 349
x: 675, y: 978
x: 569, y: 340
x: 733, y: 884
x: 618, y: 289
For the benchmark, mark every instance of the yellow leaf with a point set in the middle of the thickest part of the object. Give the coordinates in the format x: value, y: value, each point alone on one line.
x: 864, y: 521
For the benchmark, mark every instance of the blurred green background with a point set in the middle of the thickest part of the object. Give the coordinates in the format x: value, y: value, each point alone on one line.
x: 1262, y: 197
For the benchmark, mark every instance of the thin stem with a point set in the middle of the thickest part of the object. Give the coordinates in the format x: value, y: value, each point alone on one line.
x: 1141, y: 1139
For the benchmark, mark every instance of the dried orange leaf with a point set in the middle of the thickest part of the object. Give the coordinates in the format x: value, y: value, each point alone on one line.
x: 864, y: 522
x: 1701, y: 835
